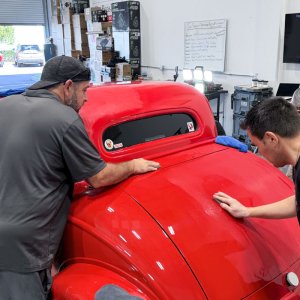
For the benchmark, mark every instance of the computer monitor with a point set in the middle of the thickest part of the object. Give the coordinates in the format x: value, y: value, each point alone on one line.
x: 287, y: 90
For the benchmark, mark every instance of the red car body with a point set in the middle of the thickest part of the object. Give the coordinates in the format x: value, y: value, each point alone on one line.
x: 160, y: 235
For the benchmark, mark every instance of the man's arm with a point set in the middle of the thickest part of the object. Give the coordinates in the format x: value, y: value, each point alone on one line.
x: 282, y: 209
x: 114, y: 173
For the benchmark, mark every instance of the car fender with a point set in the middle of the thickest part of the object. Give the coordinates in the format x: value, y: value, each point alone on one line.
x: 81, y: 281
x: 109, y: 229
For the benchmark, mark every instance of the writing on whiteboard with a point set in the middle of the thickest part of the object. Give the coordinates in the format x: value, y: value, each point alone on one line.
x: 204, y: 44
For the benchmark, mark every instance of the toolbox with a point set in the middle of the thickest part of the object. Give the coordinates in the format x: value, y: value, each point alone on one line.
x: 245, y: 97
x: 237, y: 132
x: 242, y: 100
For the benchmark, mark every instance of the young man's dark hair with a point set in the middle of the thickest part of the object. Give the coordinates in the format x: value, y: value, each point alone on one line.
x: 274, y: 114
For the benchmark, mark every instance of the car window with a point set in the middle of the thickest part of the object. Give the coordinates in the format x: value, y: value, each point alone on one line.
x: 30, y: 47
x: 148, y: 129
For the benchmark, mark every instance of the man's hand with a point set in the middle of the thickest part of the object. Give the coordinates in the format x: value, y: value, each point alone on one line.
x: 114, y: 173
x: 231, y: 205
x: 141, y: 165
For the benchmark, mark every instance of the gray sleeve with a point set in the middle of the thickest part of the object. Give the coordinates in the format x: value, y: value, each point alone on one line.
x: 81, y: 157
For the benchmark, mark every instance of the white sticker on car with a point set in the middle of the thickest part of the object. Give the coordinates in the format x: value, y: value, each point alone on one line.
x: 119, y: 145
x: 109, y: 144
x: 190, y: 126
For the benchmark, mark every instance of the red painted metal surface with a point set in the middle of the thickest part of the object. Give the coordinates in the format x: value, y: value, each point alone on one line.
x: 85, y: 280
x: 160, y: 235
x: 114, y: 104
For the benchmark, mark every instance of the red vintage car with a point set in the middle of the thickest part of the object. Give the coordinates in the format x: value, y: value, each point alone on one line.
x: 160, y: 235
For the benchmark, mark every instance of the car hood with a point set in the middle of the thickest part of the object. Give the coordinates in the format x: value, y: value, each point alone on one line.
x: 235, y: 256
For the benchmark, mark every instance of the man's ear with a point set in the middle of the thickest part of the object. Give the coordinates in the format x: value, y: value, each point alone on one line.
x: 271, y: 137
x: 67, y: 85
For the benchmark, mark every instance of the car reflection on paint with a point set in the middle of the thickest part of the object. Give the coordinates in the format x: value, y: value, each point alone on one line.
x: 160, y: 235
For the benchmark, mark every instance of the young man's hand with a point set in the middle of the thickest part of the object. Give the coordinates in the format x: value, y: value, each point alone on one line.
x: 231, y: 205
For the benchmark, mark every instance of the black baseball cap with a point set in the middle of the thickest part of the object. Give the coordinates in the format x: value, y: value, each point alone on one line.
x: 61, y: 68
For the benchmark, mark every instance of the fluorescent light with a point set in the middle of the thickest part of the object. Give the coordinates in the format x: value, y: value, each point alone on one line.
x: 187, y: 75
x: 208, y: 76
x: 200, y: 87
x: 198, y: 74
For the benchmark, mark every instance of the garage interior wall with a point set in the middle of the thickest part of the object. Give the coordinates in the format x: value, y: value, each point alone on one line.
x: 254, y: 41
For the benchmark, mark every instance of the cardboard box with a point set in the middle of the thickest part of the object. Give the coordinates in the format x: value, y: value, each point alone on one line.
x: 58, y: 14
x: 135, y: 68
x: 79, y: 21
x: 80, y: 5
x: 92, y: 43
x: 81, y: 47
x: 98, y: 14
x: 102, y: 15
x: 60, y: 46
x: 103, y: 56
x: 126, y: 16
x: 69, y: 46
x: 85, y: 52
x: 87, y: 14
x: 128, y: 43
x: 75, y: 53
x: 68, y: 32
x: 106, y: 27
x: 80, y: 36
x: 78, y: 53
x: 104, y: 42
x: 95, y: 76
x: 66, y: 15
x: 96, y: 27
x: 108, y: 74
x: 123, y: 72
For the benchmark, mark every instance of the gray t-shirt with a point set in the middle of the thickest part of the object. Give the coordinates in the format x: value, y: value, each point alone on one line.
x: 44, y: 148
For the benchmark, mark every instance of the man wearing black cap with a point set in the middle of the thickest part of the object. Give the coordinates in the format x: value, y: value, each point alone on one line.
x: 44, y: 149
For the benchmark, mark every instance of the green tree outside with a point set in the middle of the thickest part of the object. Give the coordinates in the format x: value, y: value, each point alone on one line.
x: 7, y: 35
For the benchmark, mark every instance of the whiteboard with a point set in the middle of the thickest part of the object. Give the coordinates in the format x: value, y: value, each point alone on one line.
x: 204, y: 44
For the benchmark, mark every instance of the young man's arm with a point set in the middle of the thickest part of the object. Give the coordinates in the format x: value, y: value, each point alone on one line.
x: 285, y: 208
x: 114, y: 173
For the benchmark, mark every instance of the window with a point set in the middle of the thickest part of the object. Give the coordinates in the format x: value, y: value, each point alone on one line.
x: 148, y: 129
x: 29, y: 47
